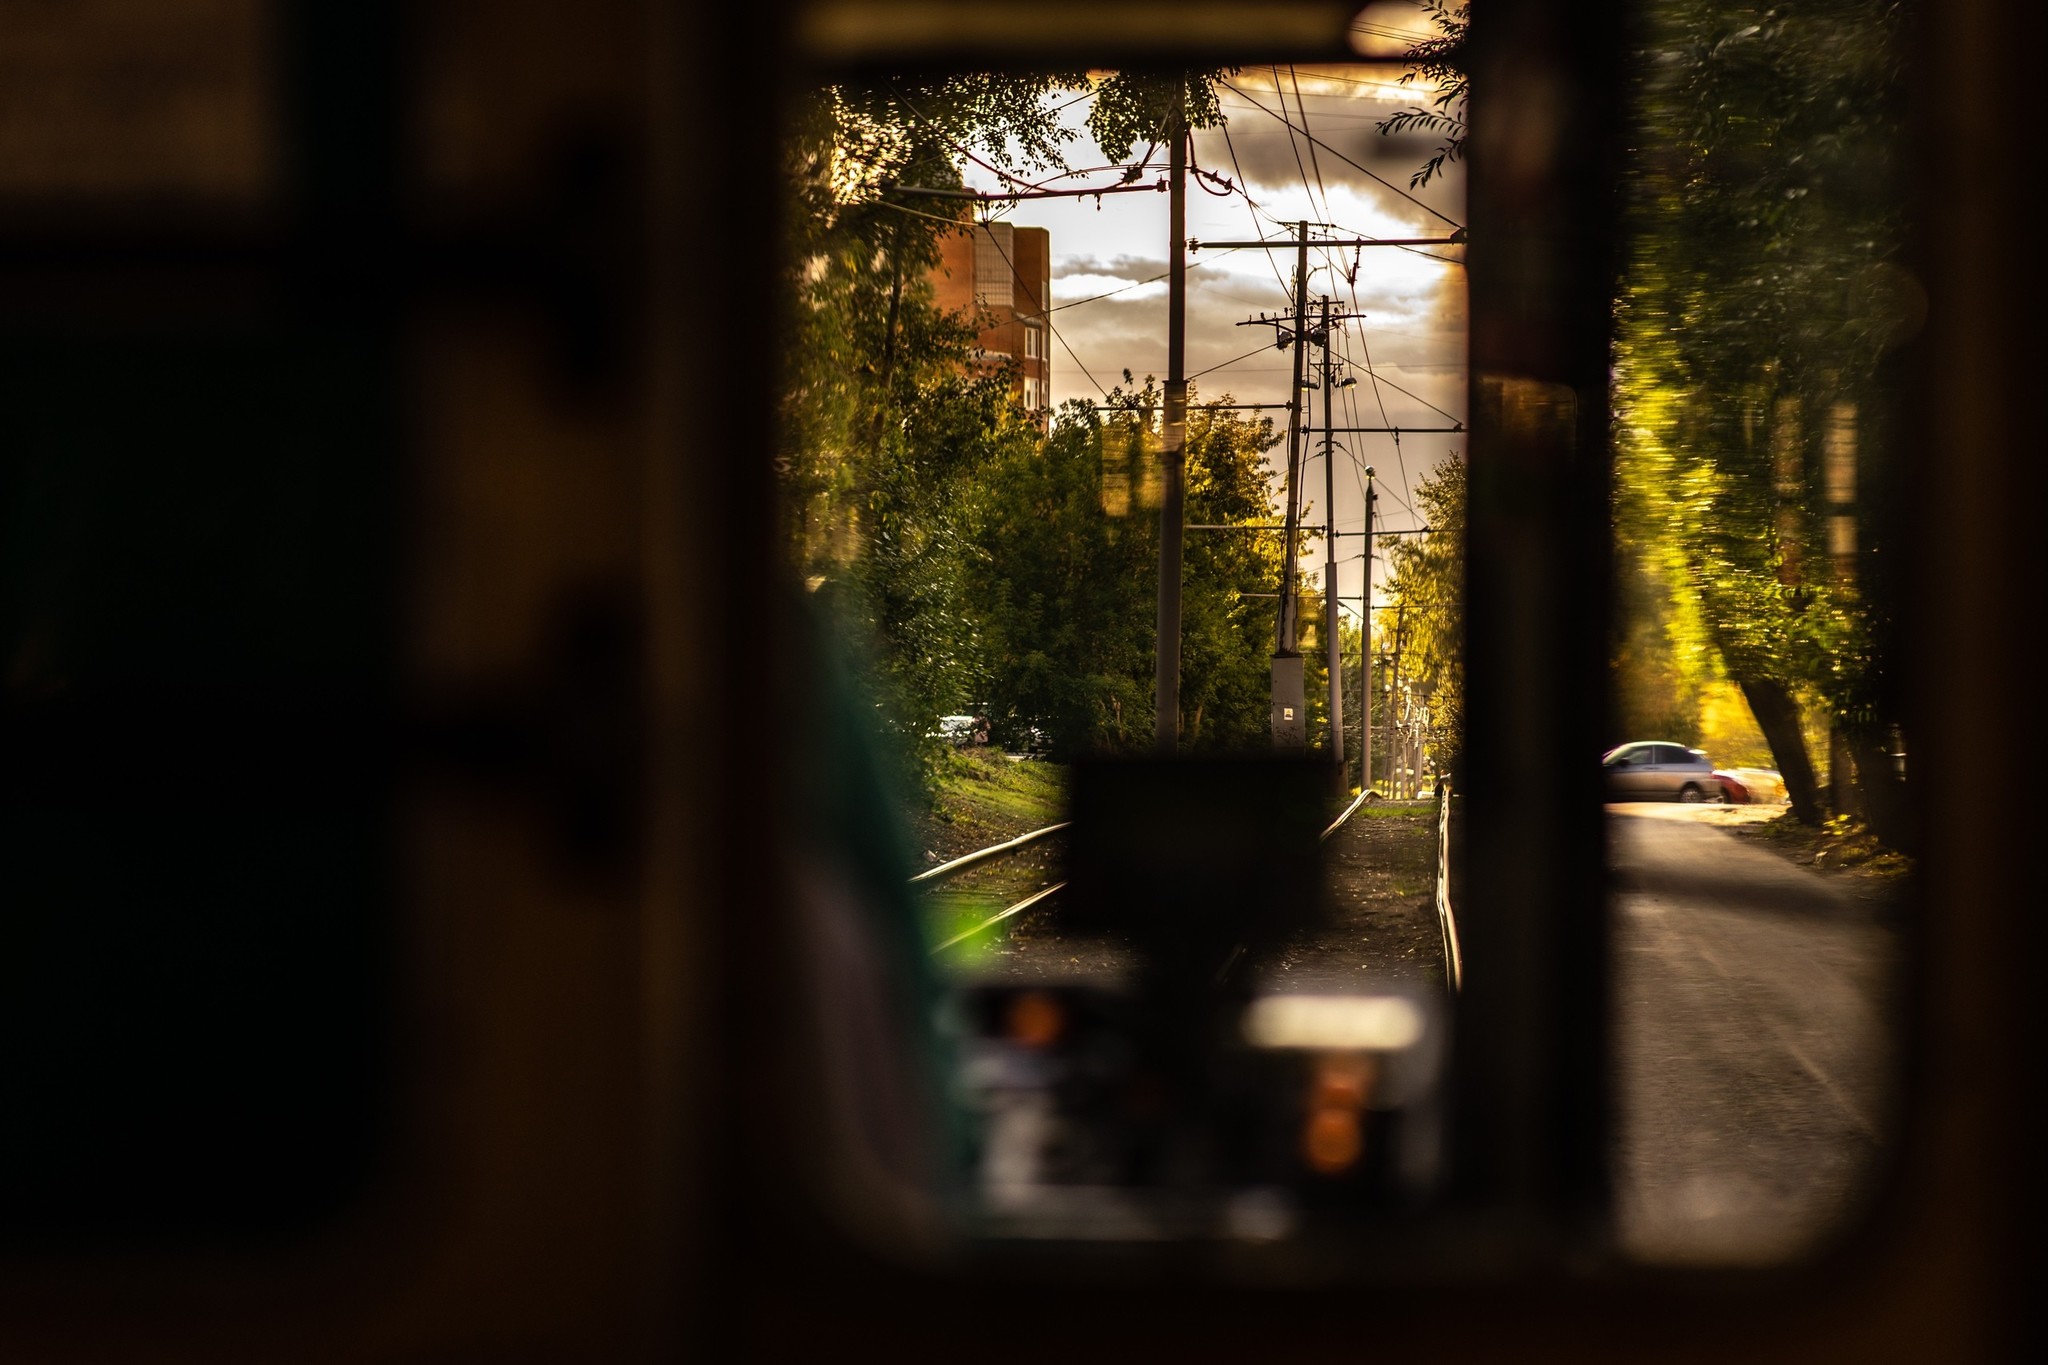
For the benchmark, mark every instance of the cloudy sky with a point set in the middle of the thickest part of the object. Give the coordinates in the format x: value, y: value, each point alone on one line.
x: 1413, y: 333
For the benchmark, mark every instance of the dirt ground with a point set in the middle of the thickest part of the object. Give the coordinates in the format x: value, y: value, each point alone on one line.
x: 1383, y: 925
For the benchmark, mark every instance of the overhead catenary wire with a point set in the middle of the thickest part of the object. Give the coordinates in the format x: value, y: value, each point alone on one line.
x: 1011, y: 265
x: 1364, y: 170
x: 1407, y: 393
x: 1134, y: 284
x: 1295, y: 81
x: 1314, y: 184
x: 1400, y: 460
x: 1256, y: 350
x: 1250, y: 206
x: 1037, y: 188
x: 1302, y: 170
x: 1375, y: 176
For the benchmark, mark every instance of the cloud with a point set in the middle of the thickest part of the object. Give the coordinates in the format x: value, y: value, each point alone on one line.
x: 1072, y: 289
x: 1414, y: 306
x: 1122, y: 266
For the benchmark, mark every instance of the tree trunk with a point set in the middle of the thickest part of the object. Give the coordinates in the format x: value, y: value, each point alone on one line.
x: 1884, y: 795
x: 1777, y: 715
x: 1842, y: 775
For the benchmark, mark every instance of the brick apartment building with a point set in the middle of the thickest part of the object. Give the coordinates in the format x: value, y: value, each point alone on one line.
x: 1006, y: 270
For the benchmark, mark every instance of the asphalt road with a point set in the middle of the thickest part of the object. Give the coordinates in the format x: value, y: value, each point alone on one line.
x: 1751, y: 1008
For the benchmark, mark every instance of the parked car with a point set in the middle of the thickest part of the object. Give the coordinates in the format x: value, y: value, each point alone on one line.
x: 961, y: 730
x: 1743, y: 786
x: 1659, y: 770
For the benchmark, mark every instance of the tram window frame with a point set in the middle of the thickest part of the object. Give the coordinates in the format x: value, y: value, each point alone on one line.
x: 1535, y: 1100
x: 1532, y: 1065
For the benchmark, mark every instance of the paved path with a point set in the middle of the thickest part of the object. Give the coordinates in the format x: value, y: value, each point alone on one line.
x: 1751, y: 1000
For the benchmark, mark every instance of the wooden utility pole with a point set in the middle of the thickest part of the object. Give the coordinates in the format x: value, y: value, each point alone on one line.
x: 1173, y: 445
x: 1287, y: 684
x: 1365, y: 652
x: 1289, y: 718
x: 1284, y: 628
x: 1397, y: 766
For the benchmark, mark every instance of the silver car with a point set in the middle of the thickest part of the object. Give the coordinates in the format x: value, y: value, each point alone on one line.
x: 1659, y: 771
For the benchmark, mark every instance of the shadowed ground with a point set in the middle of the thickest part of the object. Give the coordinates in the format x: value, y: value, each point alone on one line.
x: 1753, y: 1045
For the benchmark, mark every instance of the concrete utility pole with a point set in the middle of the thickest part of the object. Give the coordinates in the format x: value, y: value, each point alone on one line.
x: 1333, y: 659
x: 1173, y: 447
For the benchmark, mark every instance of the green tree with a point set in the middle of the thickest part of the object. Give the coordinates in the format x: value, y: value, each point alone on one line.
x: 866, y: 344
x: 1060, y: 595
x: 988, y: 562
x: 1065, y: 576
x: 1135, y: 106
x: 1427, y: 585
x: 1759, y: 302
x: 1440, y: 60
x: 1226, y: 634
x: 885, y: 420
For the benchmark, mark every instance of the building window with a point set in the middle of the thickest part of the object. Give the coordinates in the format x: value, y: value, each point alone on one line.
x: 1031, y: 395
x: 1032, y: 349
x: 995, y: 251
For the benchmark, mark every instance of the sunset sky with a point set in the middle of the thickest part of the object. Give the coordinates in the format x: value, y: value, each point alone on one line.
x: 1414, y: 329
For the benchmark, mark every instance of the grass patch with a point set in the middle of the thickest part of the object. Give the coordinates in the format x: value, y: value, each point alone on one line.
x: 1396, y: 810
x: 984, y: 796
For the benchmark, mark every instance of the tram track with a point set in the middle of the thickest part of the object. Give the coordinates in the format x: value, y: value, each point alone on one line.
x: 1041, y: 887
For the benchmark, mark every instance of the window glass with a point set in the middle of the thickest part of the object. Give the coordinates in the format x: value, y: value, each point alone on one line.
x: 1763, y: 329
x: 1000, y: 574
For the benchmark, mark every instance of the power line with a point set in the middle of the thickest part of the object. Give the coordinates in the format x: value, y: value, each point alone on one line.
x: 1405, y: 392
x: 1395, y: 86
x: 919, y: 213
x: 1400, y: 460
x: 1374, y: 175
x: 1271, y: 264
x: 1013, y: 196
x: 1256, y: 350
x: 1295, y: 81
x: 1017, y: 278
x: 1300, y: 170
x: 1124, y: 289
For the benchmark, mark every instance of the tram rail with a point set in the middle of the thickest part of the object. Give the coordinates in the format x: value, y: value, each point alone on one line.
x: 982, y: 857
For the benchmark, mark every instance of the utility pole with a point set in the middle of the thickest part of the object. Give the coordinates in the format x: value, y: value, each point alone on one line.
x: 1365, y: 652
x: 1396, y: 765
x: 1289, y: 728
x: 1333, y: 659
x: 1288, y: 731
x: 1284, y: 628
x: 1173, y: 443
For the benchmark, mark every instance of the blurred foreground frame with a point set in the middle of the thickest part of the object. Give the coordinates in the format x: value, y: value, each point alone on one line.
x: 577, y: 1168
